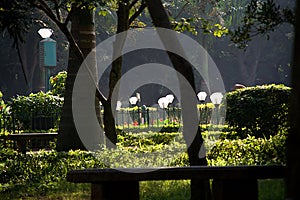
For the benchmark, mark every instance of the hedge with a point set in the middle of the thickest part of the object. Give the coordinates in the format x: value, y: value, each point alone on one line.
x: 259, y: 111
x: 249, y: 151
x: 24, y: 108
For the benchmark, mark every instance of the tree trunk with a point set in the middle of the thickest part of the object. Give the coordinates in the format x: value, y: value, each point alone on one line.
x: 199, y: 189
x: 83, y: 31
x: 293, y: 153
x: 115, y: 73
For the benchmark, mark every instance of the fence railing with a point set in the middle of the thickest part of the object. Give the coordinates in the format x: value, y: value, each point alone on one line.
x: 126, y: 118
x: 14, y: 124
x: 156, y: 117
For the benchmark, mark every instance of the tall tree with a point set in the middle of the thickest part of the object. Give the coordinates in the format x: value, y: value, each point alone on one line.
x: 160, y: 19
x: 83, y: 26
x: 123, y: 24
x: 17, y: 21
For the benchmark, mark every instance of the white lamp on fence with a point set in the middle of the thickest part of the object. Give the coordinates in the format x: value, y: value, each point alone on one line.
x: 202, y: 96
x: 163, y: 102
x: 216, y: 99
x: 133, y: 100
x: 119, y: 104
x: 170, y: 98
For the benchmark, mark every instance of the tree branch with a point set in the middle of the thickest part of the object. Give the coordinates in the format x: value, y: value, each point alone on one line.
x: 68, y: 18
x: 57, y: 10
x: 181, y: 11
x: 132, y: 4
x: 45, y: 8
x: 21, y: 61
x: 137, y: 13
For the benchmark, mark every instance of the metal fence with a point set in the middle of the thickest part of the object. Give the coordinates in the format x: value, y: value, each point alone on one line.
x: 13, y: 124
x: 147, y: 117
x: 125, y: 119
x: 156, y: 117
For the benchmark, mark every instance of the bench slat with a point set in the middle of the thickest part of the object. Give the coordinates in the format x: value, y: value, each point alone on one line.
x: 176, y: 173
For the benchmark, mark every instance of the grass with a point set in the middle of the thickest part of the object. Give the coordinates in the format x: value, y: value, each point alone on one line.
x: 180, y: 190
x: 164, y: 190
x: 139, y: 151
x: 149, y: 190
x: 271, y: 189
x: 64, y: 191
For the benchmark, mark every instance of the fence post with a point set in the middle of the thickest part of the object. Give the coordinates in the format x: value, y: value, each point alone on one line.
x: 139, y: 117
x: 13, y: 122
x: 147, y: 116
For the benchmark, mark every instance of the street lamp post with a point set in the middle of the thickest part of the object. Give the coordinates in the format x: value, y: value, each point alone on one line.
x: 201, y: 96
x: 216, y: 99
x: 135, y: 101
x: 138, y: 96
x: 170, y: 98
x: 163, y: 103
x: 118, y: 108
x: 47, y: 50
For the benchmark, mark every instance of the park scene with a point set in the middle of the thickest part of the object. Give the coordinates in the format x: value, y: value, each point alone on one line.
x: 149, y: 99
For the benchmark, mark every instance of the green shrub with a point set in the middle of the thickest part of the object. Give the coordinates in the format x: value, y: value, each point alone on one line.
x: 145, y: 138
x: 260, y: 111
x: 5, y: 119
x: 205, y: 112
x: 58, y: 84
x: 45, y: 171
x: 25, y: 108
x: 40, y: 172
x: 166, y: 128
x: 249, y: 151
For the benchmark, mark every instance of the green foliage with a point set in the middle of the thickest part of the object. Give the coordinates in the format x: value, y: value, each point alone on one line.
x: 39, y: 172
x: 261, y: 17
x: 272, y: 189
x: 44, y: 172
x: 162, y: 190
x: 16, y: 17
x: 259, y: 111
x: 185, y: 24
x: 58, y: 84
x: 205, y: 112
x: 38, y: 104
x: 150, y: 149
x: 4, y: 110
x: 165, y: 128
x: 146, y: 156
x: 216, y: 29
x: 145, y: 139
x: 249, y: 151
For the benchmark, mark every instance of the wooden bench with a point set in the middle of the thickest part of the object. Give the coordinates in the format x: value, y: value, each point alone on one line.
x: 32, y: 141
x: 228, y: 183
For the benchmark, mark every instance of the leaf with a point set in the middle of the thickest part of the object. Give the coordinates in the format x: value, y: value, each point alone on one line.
x: 103, y: 13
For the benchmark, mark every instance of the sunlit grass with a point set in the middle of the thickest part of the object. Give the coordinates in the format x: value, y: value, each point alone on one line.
x: 64, y: 191
x: 271, y: 189
x: 149, y: 190
x: 164, y: 190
